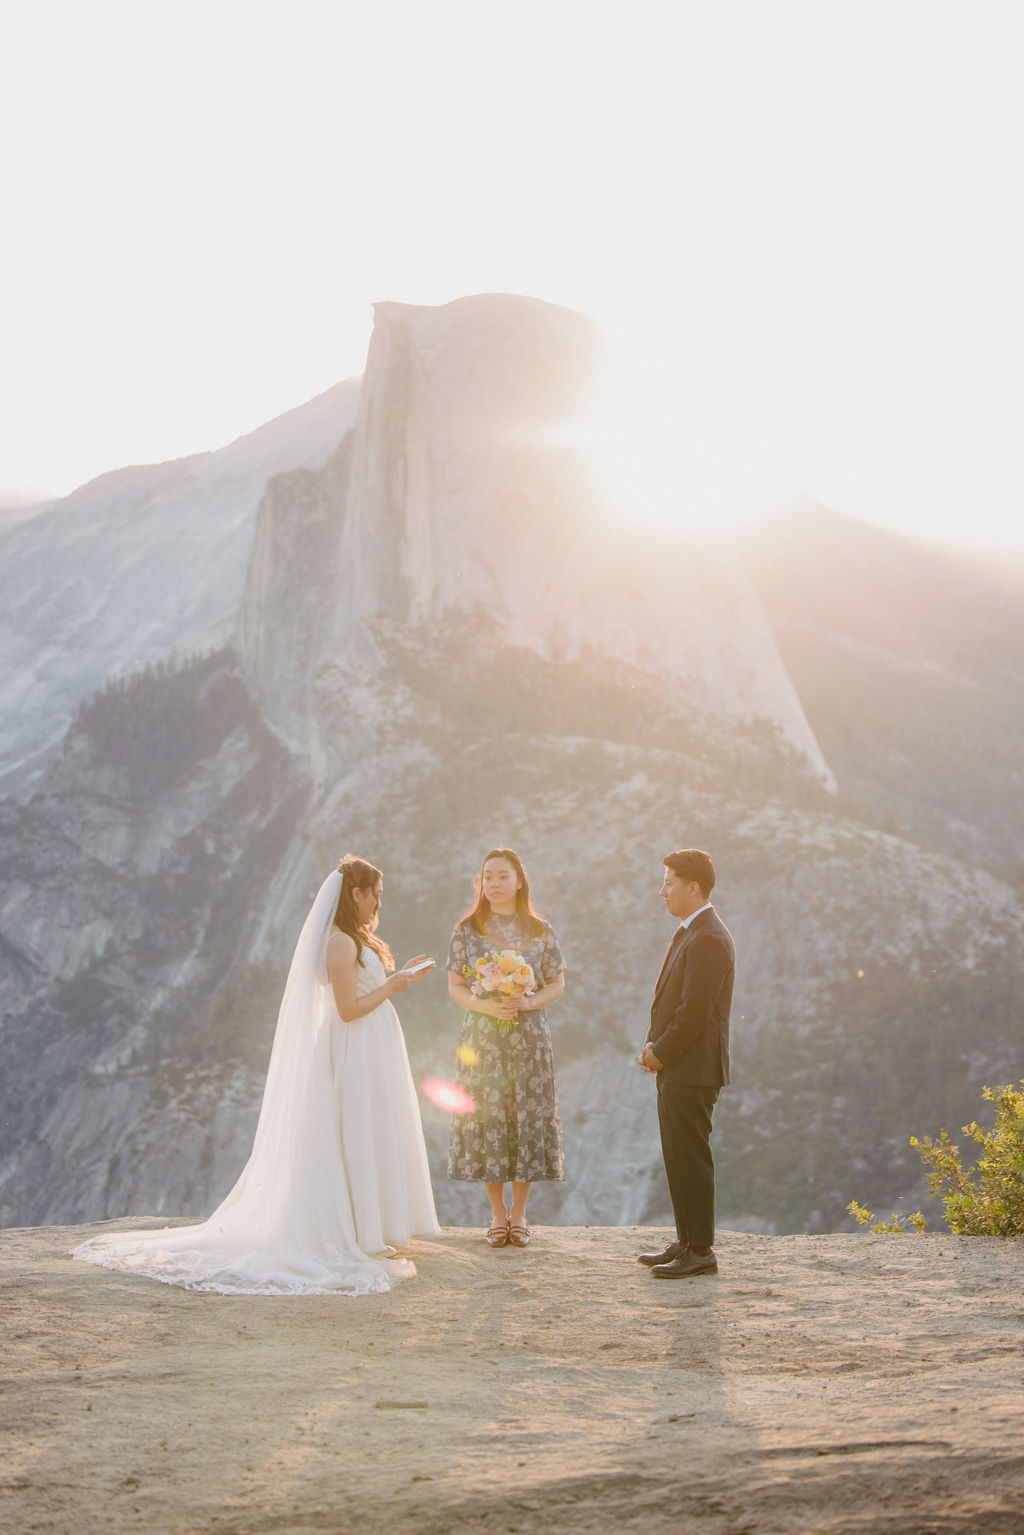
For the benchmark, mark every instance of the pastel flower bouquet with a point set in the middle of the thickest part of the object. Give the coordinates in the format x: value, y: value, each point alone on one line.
x: 502, y: 973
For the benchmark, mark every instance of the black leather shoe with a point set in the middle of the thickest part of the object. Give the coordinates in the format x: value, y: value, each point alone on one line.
x: 674, y: 1250
x: 685, y: 1266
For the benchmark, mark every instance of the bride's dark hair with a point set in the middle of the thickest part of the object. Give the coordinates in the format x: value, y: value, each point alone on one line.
x: 357, y: 874
x: 529, y: 920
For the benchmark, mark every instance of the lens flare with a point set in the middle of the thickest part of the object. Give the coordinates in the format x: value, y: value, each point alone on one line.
x: 447, y: 1096
x: 468, y: 1056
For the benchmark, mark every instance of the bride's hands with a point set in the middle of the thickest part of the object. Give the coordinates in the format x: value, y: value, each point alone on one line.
x: 401, y: 980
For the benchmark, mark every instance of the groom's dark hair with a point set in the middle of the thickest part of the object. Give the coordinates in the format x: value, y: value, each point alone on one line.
x: 691, y: 863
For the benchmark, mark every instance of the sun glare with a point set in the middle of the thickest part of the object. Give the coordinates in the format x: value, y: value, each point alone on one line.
x: 447, y: 1096
x: 668, y: 455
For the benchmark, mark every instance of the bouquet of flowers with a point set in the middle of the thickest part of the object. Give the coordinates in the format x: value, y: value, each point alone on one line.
x: 502, y: 973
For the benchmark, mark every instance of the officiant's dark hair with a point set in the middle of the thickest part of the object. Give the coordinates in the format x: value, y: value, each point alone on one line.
x: 691, y: 863
x: 357, y: 874
x: 529, y: 920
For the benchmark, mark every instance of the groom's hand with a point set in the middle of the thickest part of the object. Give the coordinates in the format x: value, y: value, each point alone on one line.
x: 648, y: 1060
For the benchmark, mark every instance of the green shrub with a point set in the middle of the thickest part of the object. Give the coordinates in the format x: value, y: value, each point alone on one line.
x: 896, y: 1223
x: 986, y: 1200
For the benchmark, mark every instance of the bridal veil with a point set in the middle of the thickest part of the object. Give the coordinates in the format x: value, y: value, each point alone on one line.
x: 287, y: 1226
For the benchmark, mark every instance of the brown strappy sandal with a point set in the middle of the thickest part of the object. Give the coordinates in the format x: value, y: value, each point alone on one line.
x: 519, y: 1236
x: 497, y: 1236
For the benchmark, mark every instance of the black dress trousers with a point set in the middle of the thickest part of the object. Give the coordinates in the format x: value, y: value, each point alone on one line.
x: 684, y: 1119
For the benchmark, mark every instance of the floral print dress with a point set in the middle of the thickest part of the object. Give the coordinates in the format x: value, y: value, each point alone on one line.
x: 515, y: 1133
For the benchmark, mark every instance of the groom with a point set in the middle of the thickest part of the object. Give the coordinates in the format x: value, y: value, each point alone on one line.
x: 687, y: 1047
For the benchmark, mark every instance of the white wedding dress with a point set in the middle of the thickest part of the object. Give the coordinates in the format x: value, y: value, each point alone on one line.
x: 338, y: 1174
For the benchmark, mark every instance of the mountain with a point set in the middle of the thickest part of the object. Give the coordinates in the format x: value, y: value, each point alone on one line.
x: 19, y: 505
x: 909, y: 662
x: 137, y: 562
x: 469, y: 493
x: 420, y: 672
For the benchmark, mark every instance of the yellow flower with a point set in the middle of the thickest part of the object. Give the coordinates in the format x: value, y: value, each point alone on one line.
x: 468, y: 1056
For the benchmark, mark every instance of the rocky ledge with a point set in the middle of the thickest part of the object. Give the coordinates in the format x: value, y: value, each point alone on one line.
x: 833, y: 1383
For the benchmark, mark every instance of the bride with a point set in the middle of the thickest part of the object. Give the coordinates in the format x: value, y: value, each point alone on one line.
x: 338, y: 1173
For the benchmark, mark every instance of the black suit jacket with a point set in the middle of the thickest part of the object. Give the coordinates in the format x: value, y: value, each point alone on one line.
x: 689, y: 1030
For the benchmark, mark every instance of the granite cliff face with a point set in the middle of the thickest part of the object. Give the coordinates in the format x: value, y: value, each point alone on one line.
x: 133, y: 564
x: 287, y: 616
x: 910, y: 663
x: 418, y: 696
x: 470, y: 492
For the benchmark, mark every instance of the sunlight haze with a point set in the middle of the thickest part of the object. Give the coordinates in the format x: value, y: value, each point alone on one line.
x: 800, y: 223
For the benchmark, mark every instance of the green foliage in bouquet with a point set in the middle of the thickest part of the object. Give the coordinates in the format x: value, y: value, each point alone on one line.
x: 986, y: 1200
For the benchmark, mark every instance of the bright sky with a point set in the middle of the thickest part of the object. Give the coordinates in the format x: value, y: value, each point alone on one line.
x: 801, y: 220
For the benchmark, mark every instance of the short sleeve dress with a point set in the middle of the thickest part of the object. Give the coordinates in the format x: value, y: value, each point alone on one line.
x: 514, y: 1133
